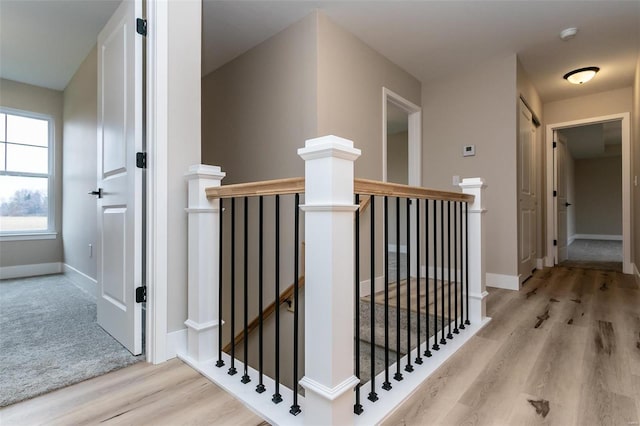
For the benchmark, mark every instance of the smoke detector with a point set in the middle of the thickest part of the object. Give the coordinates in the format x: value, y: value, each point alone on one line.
x: 568, y: 33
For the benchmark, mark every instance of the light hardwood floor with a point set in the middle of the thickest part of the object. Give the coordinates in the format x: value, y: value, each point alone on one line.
x: 168, y: 394
x: 579, y: 366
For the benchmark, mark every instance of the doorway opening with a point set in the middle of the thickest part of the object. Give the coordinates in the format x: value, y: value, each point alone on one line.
x: 588, y: 180
x: 401, y: 163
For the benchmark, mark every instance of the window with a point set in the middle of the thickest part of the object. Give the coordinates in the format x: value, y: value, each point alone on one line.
x: 26, y: 173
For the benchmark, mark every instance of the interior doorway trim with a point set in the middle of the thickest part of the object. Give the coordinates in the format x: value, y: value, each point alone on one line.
x: 414, y: 113
x: 627, y: 266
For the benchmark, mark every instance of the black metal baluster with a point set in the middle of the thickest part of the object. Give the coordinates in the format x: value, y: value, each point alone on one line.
x: 442, y: 340
x: 435, y: 346
x: 449, y: 335
x: 398, y: 375
x: 455, y: 263
x: 462, y: 270
x: 418, y: 359
x: 295, y: 408
x: 220, y: 362
x: 427, y: 350
x: 357, y: 407
x: 387, y: 384
x: 245, y: 377
x: 408, y: 367
x: 277, y: 398
x: 232, y: 369
x: 260, y: 387
x: 466, y: 248
x: 373, y: 396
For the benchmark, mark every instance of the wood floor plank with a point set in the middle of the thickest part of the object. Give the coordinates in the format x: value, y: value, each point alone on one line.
x: 170, y: 393
x: 584, y: 382
x: 442, y: 390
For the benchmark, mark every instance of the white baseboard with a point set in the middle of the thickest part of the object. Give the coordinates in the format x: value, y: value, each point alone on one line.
x: 22, y: 271
x: 176, y: 343
x: 84, y: 281
x: 571, y: 239
x: 392, y: 248
x: 637, y: 272
x: 365, y: 286
x: 597, y: 237
x: 540, y: 263
x: 507, y: 282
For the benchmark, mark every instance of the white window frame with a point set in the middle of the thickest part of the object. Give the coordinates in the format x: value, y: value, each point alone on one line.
x: 50, y: 232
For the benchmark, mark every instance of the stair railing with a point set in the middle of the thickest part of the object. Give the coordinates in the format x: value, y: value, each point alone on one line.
x: 219, y: 269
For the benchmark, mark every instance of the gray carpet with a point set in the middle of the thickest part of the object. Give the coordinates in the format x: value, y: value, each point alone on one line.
x: 596, y: 250
x: 49, y: 338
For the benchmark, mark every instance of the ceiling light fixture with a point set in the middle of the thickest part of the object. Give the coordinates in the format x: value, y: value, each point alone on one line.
x: 568, y: 33
x: 581, y: 75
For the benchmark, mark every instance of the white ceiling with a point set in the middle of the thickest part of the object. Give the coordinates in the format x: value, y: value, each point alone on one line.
x: 594, y: 140
x: 43, y: 42
x: 432, y: 39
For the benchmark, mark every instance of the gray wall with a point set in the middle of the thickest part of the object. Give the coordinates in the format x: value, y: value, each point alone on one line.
x: 598, y: 196
x: 260, y: 108
x: 570, y: 171
x: 635, y: 141
x: 79, y: 170
x: 398, y: 157
x: 351, y: 76
x: 478, y: 107
x: 43, y: 101
x: 184, y: 134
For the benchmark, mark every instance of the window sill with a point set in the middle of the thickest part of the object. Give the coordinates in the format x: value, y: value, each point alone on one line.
x: 45, y: 235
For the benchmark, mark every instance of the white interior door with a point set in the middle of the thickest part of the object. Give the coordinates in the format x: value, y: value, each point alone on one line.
x: 560, y: 159
x: 119, y: 208
x: 526, y: 194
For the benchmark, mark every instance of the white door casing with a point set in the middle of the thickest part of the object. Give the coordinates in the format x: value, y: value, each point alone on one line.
x: 119, y: 251
x: 560, y: 160
x: 526, y: 194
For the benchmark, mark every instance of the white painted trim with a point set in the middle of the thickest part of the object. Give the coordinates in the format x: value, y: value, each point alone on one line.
x: 573, y: 238
x: 392, y: 248
x: 157, y: 185
x: 596, y: 237
x: 176, y: 343
x: 326, y: 392
x: 626, y: 184
x: 507, y: 282
x: 414, y: 134
x: 637, y: 272
x: 21, y: 271
x: 277, y: 414
x: 29, y: 236
x: 81, y: 280
x: 365, y: 286
x: 540, y: 263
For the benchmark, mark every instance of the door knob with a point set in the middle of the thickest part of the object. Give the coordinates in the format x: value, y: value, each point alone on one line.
x: 567, y: 204
x: 97, y: 193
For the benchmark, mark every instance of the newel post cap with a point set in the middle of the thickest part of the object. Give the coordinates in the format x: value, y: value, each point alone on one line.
x: 198, y: 171
x: 329, y: 146
x: 470, y: 183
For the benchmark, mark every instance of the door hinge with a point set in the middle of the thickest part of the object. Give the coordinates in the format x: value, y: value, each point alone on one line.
x: 141, y: 294
x: 555, y: 242
x: 141, y: 26
x: 141, y: 160
x: 555, y: 144
x: 555, y: 193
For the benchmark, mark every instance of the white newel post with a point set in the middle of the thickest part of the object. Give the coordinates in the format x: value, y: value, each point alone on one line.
x: 477, y: 280
x: 329, y: 270
x: 204, y: 216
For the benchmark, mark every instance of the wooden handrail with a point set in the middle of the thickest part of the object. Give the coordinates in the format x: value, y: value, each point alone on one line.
x: 373, y: 187
x: 253, y: 189
x: 364, y: 203
x: 361, y: 186
x: 268, y: 311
